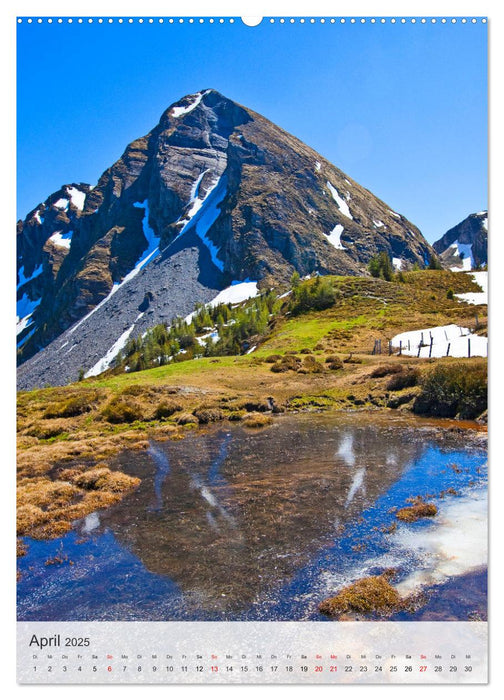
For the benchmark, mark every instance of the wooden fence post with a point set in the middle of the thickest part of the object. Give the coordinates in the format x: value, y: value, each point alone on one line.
x: 469, y: 347
x: 400, y: 347
x: 430, y: 347
x: 448, y: 350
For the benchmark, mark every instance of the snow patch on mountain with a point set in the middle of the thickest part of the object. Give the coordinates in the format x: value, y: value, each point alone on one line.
x: 179, y: 111
x: 342, y: 205
x: 236, y: 293
x: 464, y: 251
x: 201, y: 218
x: 105, y: 362
x: 62, y: 240
x: 24, y: 310
x: 77, y: 197
x: 62, y: 203
x: 334, y: 237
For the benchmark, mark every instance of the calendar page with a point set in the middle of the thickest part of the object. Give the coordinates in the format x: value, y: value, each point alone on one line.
x: 252, y: 339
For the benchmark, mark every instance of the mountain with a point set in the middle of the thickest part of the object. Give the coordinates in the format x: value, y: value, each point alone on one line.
x: 465, y: 246
x: 213, y: 196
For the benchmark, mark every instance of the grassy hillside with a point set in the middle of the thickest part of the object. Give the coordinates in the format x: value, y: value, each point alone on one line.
x: 305, y: 359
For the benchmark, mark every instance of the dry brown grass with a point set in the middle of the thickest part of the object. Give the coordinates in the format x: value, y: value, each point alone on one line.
x: 411, y: 514
x: 256, y: 420
x: 373, y: 594
x: 102, y: 479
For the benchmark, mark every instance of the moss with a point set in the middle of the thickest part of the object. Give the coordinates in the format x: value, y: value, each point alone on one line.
x: 311, y: 401
x: 373, y: 594
x: 411, y: 514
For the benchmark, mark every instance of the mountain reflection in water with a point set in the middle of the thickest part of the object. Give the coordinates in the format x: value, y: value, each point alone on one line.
x: 237, y: 513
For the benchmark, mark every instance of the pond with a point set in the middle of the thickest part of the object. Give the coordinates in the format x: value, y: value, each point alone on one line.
x: 238, y: 524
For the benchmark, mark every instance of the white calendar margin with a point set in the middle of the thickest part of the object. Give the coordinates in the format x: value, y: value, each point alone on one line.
x: 9, y: 10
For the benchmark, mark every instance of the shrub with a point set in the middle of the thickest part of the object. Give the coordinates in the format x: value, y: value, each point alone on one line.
x: 121, y: 410
x: 381, y: 266
x: 335, y: 365
x: 312, y: 296
x: 135, y: 390
x: 288, y: 362
x: 312, y: 365
x: 73, y: 406
x: 383, y: 370
x: 403, y: 380
x: 454, y: 390
x: 166, y: 409
x: 209, y: 415
x: 450, y: 294
x: 273, y: 358
x: 186, y: 419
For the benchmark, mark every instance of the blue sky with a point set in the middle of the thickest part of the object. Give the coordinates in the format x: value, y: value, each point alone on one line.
x: 402, y: 109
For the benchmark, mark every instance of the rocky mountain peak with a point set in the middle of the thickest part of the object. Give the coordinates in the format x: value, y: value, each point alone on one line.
x: 465, y: 246
x: 215, y: 194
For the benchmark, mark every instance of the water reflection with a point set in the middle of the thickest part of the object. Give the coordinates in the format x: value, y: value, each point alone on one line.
x: 237, y: 514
